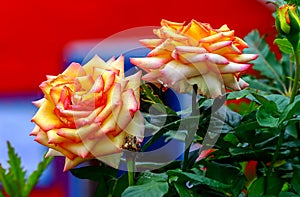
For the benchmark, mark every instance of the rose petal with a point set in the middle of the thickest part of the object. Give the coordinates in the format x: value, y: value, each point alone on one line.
x: 74, y: 70
x: 231, y: 82
x: 151, y: 43
x: 196, y: 30
x: 240, y: 58
x: 45, y: 118
x: 233, y: 68
x: 95, y: 62
x: 217, y: 37
x: 214, y: 58
x: 71, y: 163
x: 39, y: 102
x: 70, y: 134
x: 149, y: 63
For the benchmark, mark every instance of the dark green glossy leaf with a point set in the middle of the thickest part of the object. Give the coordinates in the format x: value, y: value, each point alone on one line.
x: 296, y: 181
x: 238, y: 94
x: 290, y: 111
x: 149, y: 189
x: 94, y: 172
x: 267, y: 115
x: 273, y: 187
x: 196, y: 179
x: 287, y: 194
x: 121, y: 185
x: 102, y: 188
x: 227, y: 174
x: 280, y: 101
x: 148, y: 176
x: 184, y: 191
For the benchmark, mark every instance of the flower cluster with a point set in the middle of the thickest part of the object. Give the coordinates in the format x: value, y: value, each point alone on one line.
x: 88, y: 111
x: 196, y: 53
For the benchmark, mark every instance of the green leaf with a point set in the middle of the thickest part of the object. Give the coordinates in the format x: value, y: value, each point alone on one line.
x: 121, y: 185
x: 296, y: 181
x: 227, y: 174
x: 266, y: 62
x: 284, y: 45
x: 260, y: 84
x: 184, y: 191
x: 6, y: 182
x: 290, y: 111
x: 148, y: 189
x: 149, y: 96
x: 94, y: 172
x: 1, y: 195
x: 197, y: 179
x: 273, y: 187
x: 267, y: 115
x: 148, y: 176
x: 280, y: 101
x: 102, y: 188
x: 287, y: 194
x: 35, y: 175
x: 16, y: 172
x: 238, y: 94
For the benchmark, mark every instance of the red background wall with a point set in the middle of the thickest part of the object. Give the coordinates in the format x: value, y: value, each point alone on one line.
x: 34, y: 33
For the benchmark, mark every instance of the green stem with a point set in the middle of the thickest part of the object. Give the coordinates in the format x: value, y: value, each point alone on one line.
x: 297, y: 74
x: 130, y: 161
x: 274, y: 158
x: 190, y: 135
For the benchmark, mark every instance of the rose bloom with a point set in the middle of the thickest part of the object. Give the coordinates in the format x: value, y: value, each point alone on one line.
x: 184, y: 55
x: 88, y: 111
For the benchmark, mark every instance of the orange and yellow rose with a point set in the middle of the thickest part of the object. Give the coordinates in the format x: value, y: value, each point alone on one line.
x: 87, y: 112
x: 196, y: 53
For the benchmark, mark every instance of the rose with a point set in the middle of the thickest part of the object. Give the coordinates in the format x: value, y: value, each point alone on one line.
x: 89, y: 111
x: 288, y: 23
x: 287, y: 20
x: 184, y: 55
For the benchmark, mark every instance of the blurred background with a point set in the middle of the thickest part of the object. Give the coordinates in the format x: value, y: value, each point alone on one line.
x: 39, y: 38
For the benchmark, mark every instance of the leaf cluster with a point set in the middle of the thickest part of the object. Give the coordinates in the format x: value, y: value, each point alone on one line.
x: 14, y: 181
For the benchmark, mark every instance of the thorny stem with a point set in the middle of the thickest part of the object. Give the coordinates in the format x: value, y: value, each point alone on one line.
x: 190, y: 135
x: 270, y: 170
x: 297, y: 73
